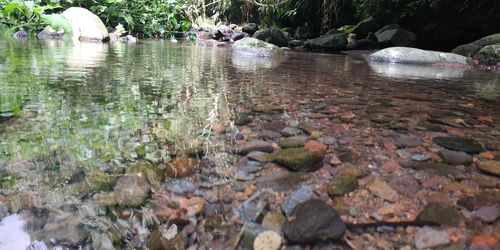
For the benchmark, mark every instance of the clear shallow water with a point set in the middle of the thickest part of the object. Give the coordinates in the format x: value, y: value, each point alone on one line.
x: 67, y: 109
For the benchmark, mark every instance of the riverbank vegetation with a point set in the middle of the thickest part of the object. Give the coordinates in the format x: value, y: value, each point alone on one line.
x: 440, y: 24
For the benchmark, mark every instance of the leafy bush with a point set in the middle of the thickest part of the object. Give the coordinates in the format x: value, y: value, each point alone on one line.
x: 26, y: 15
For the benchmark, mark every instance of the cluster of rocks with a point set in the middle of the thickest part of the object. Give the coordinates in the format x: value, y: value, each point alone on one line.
x: 81, y: 25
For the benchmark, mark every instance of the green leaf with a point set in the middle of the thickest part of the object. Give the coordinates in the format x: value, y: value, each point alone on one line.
x: 185, y: 26
x: 10, y: 8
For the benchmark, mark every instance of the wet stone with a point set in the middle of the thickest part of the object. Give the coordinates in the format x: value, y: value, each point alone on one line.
x: 182, y: 167
x: 404, y: 141
x: 383, y: 190
x: 327, y: 140
x: 298, y: 159
x: 289, y: 131
x: 156, y: 241
x: 455, y: 157
x: 274, y: 221
x: 269, y: 134
x: 250, y: 232
x: 487, y: 214
x: 440, y: 213
x: 64, y: 229
x: 405, y: 185
x: 293, y: 142
x: 252, y: 146
x: 260, y: 156
x: 302, y: 194
x: 131, y: 190
x: 428, y: 237
x: 439, y: 169
x: 267, y: 240
x: 490, y: 167
x: 242, y: 119
x: 420, y: 157
x: 246, y: 173
x: 180, y: 187
x: 486, y: 181
x: 314, y: 220
x: 342, y: 184
x: 466, y: 145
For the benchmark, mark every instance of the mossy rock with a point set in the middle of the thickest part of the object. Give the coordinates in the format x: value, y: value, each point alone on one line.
x: 298, y: 159
x: 488, y: 40
x: 468, y: 50
x: 342, y: 184
x: 100, y: 181
x: 489, y: 55
x: 250, y: 46
x: 145, y: 169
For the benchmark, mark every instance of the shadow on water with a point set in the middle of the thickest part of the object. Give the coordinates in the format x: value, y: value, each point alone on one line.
x: 75, y: 110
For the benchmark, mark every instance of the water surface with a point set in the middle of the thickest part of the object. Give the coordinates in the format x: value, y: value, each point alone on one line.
x: 67, y: 109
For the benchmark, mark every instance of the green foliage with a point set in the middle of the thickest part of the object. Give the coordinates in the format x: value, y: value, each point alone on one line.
x: 27, y: 15
x: 57, y: 22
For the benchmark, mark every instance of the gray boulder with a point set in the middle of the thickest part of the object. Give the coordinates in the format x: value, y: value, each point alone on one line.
x: 363, y: 44
x: 331, y: 42
x: 468, y: 50
x: 488, y: 40
x: 250, y: 46
x: 389, y: 27
x: 396, y: 37
x: 85, y: 26
x: 273, y: 36
x: 363, y: 28
x: 249, y: 28
x: 304, y: 32
x: 415, y: 56
x: 489, y: 55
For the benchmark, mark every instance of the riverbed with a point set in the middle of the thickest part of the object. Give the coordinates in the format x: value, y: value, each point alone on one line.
x: 76, y: 120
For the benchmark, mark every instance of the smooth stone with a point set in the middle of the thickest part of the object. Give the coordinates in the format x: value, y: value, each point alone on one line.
x: 298, y: 159
x: 404, y: 141
x: 383, y: 190
x: 314, y: 221
x: 250, y: 46
x: 289, y: 131
x: 455, y: 157
x: 246, y: 173
x: 342, y: 184
x: 64, y: 229
x: 413, y: 55
x: 327, y: 140
x: 420, y: 157
x: 491, y: 167
x: 428, y: 237
x: 180, y: 187
x: 304, y: 193
x: 405, y: 185
x: 466, y: 145
x: 274, y: 221
x: 440, y: 213
x: 269, y: 134
x: 439, y: 169
x: 293, y: 142
x: 131, y: 190
x: 254, y: 208
x: 260, y: 156
x: 267, y: 240
x: 85, y: 25
x: 251, y: 146
x: 487, y: 214
x: 250, y: 232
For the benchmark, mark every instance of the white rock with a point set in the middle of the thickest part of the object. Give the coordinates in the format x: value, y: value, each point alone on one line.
x: 267, y: 240
x: 416, y: 56
x: 85, y: 25
x: 427, y: 237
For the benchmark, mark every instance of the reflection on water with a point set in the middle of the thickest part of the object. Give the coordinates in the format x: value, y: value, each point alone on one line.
x: 251, y: 63
x: 69, y: 112
x: 405, y: 71
x: 12, y: 233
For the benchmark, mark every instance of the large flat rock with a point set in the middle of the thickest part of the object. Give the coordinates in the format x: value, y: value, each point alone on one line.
x: 415, y: 56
